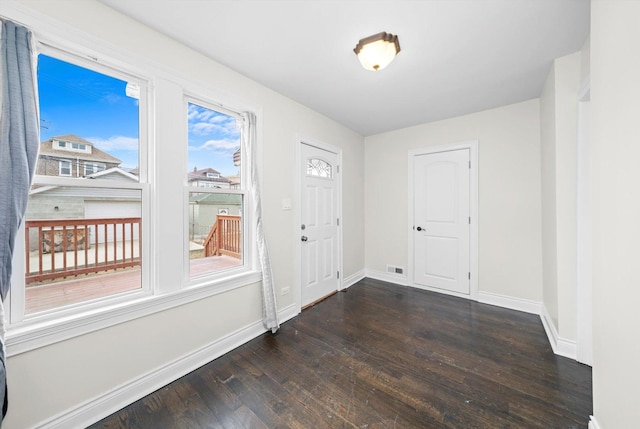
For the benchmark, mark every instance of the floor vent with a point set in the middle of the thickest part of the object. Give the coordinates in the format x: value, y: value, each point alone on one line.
x: 395, y: 270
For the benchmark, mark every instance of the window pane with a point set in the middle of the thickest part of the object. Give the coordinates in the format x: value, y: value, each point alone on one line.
x: 86, y: 116
x: 214, y: 149
x: 215, y: 216
x: 82, y: 244
x: 318, y: 168
x: 215, y: 232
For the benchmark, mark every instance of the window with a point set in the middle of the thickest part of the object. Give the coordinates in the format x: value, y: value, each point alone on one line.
x: 216, y: 223
x: 71, y: 146
x: 82, y: 237
x: 318, y: 168
x: 65, y: 168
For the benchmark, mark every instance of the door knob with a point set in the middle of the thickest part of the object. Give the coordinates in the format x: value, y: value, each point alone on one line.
x: 419, y: 228
x: 304, y: 238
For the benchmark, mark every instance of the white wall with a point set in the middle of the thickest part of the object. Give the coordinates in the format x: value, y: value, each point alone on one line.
x: 559, y: 135
x: 615, y: 127
x: 58, y: 378
x: 509, y: 195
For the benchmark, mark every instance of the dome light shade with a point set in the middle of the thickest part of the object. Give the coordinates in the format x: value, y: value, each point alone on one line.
x: 377, y: 51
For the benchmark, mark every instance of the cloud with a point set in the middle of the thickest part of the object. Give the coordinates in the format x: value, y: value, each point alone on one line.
x: 112, y: 98
x: 115, y: 143
x: 223, y: 145
x: 205, y: 122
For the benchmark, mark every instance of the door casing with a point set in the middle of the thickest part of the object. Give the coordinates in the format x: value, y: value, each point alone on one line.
x: 297, y: 232
x: 472, y: 145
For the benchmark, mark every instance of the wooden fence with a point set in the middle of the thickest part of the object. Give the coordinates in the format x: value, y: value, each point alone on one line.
x: 225, y: 237
x: 61, y: 248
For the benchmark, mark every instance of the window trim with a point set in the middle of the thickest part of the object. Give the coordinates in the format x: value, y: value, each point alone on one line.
x: 60, y: 167
x: 21, y: 325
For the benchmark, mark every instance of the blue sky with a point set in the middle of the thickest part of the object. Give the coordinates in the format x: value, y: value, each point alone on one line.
x: 75, y: 100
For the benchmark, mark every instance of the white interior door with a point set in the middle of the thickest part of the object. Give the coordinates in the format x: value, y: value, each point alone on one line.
x: 442, y: 220
x: 319, y: 229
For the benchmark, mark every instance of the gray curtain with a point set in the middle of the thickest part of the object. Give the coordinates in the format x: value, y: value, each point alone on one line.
x: 19, y: 141
x: 269, y: 307
x: 19, y: 135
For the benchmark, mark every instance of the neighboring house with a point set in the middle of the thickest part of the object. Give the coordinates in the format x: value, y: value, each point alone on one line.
x: 72, y: 156
x: 235, y: 181
x: 208, y: 178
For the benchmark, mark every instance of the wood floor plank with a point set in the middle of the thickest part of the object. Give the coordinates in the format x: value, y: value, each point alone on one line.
x: 381, y: 356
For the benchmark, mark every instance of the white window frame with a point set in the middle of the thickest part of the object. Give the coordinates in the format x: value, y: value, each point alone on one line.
x: 248, y: 250
x: 60, y: 168
x: 157, y: 294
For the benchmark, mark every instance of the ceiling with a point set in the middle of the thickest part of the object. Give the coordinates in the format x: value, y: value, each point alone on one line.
x: 458, y: 56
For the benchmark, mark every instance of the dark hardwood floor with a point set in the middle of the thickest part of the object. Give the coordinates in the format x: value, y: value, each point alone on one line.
x: 381, y: 356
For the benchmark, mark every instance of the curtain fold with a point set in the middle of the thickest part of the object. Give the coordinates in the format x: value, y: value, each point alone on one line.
x: 269, y: 307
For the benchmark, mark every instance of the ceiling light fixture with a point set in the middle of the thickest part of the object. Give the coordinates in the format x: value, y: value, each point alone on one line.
x: 377, y: 51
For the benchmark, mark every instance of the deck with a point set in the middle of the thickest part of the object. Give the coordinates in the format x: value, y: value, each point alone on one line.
x: 94, y: 286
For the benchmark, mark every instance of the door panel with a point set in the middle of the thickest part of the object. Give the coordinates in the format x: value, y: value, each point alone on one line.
x: 441, y: 220
x: 319, y: 209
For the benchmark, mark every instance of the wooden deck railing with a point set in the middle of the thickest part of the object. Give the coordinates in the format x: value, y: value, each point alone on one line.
x: 61, y: 248
x: 225, y: 237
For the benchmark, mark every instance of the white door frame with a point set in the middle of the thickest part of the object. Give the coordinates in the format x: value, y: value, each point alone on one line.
x: 297, y: 232
x: 472, y: 145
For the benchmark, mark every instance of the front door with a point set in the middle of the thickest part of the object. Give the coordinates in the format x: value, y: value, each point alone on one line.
x: 441, y: 227
x: 319, y: 228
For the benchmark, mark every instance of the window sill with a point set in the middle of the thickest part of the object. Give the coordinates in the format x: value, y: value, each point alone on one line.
x: 34, y: 334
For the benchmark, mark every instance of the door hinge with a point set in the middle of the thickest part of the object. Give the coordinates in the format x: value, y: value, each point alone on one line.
x: 338, y: 274
x: 338, y: 169
x: 469, y: 220
x: 338, y: 221
x: 469, y: 276
x: 469, y: 164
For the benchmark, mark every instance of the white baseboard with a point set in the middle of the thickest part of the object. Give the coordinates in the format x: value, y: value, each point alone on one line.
x: 441, y: 291
x: 99, y: 407
x: 288, y: 313
x: 512, y: 303
x: 561, y: 346
x: 387, y: 277
x: 593, y: 423
x: 353, y: 279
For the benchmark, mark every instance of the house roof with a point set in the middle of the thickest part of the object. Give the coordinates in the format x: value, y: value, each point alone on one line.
x: 207, y: 198
x: 46, y: 149
x: 202, y: 175
x: 114, y: 173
